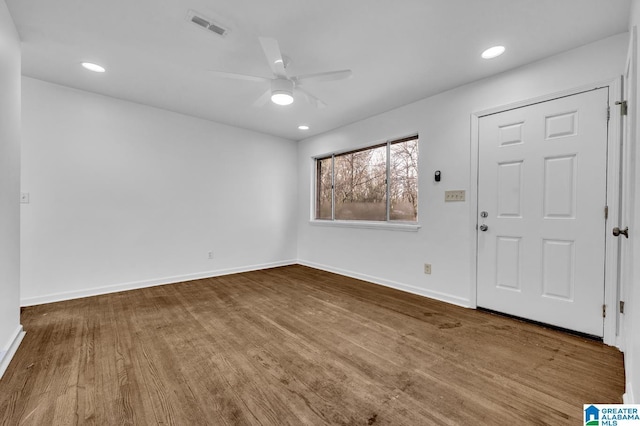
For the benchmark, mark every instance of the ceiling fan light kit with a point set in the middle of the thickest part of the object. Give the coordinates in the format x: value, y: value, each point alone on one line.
x: 281, y: 91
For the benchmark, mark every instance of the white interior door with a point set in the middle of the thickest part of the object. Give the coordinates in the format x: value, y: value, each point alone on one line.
x: 542, y: 184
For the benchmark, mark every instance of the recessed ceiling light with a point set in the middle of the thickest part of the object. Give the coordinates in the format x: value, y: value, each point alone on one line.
x: 93, y: 67
x: 493, y: 52
x: 303, y: 127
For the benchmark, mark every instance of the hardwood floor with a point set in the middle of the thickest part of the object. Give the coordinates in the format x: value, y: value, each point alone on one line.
x: 295, y: 345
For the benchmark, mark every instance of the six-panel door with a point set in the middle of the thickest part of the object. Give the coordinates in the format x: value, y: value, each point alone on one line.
x: 542, y: 182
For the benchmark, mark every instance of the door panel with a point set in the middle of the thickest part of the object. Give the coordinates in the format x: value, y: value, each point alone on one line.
x: 542, y: 182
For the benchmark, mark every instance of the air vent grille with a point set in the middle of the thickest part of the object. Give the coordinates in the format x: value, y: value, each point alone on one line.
x: 206, y: 23
x: 199, y: 21
x: 216, y: 29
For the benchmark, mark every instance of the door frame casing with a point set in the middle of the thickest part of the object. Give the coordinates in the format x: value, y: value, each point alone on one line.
x: 628, y: 91
x: 612, y: 198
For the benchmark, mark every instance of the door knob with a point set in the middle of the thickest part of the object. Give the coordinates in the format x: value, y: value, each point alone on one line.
x: 617, y: 232
x: 484, y: 227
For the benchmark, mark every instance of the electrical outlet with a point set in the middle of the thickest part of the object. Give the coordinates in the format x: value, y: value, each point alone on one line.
x: 457, y: 195
x: 210, y: 255
x: 427, y: 268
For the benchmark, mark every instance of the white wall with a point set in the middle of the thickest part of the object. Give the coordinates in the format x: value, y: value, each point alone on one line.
x: 124, y: 195
x: 631, y: 289
x: 10, y: 329
x: 443, y: 123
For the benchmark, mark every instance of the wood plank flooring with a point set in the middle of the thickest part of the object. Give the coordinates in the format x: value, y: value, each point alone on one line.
x: 296, y: 346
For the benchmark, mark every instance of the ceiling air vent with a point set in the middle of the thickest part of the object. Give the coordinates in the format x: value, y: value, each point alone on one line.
x: 205, y: 23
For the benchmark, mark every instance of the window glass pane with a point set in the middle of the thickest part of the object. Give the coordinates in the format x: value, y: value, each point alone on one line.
x: 403, y: 182
x: 360, y: 188
x: 323, y: 189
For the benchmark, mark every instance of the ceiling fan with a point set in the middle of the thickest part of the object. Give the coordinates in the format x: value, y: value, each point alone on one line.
x: 282, y: 86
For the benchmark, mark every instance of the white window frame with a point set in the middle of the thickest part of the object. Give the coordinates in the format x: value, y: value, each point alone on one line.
x: 396, y: 225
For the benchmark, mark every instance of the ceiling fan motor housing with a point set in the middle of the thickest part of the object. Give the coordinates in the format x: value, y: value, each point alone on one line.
x: 282, y: 85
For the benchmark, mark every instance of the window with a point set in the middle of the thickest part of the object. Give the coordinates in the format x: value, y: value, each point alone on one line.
x: 377, y: 183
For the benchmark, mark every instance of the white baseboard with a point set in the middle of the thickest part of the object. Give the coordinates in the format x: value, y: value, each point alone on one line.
x: 444, y: 297
x: 58, y: 297
x: 6, y: 355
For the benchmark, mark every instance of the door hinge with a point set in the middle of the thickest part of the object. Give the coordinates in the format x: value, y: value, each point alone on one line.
x: 623, y: 107
x: 604, y: 311
x: 606, y: 212
x: 608, y: 113
x: 622, y: 307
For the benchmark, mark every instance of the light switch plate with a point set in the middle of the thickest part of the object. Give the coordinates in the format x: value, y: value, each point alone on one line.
x: 24, y: 197
x: 457, y: 195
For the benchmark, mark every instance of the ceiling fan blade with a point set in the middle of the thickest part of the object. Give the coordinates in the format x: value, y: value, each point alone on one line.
x: 313, y: 100
x: 323, y: 76
x: 274, y: 56
x: 263, y: 99
x: 239, y: 76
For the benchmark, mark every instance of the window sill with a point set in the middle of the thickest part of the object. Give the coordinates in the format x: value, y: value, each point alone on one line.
x: 404, y: 227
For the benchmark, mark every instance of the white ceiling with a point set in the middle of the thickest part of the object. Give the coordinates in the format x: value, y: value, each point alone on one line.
x: 400, y: 51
